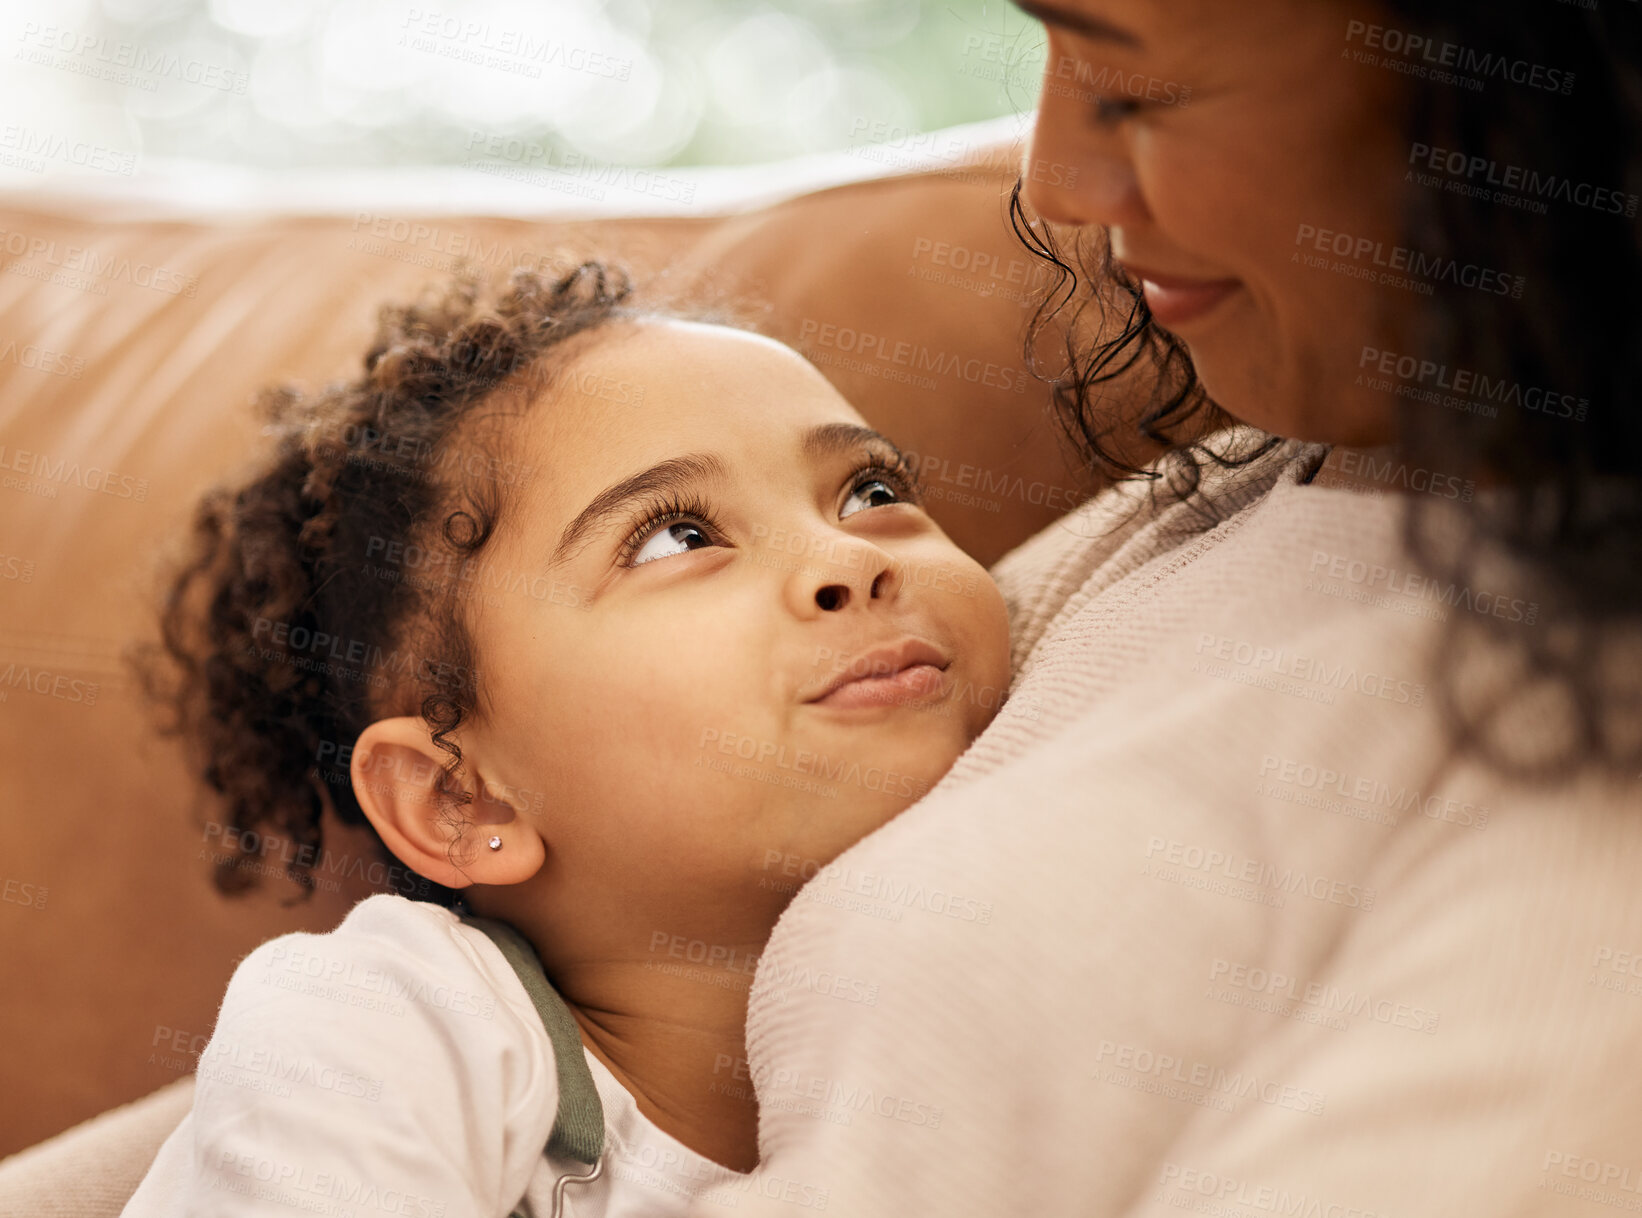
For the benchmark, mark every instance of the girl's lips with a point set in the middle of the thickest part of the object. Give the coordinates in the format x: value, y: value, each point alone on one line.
x: 915, y: 683
x: 1174, y: 301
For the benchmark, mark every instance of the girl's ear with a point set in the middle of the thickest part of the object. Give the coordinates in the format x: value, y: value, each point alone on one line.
x: 400, y: 781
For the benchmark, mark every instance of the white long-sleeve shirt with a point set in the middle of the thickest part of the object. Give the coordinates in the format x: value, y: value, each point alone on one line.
x: 398, y: 1066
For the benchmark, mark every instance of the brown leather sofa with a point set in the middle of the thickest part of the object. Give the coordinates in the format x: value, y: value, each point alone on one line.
x: 131, y: 343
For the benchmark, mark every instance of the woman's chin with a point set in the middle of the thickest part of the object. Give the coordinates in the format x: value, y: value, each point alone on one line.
x: 1261, y: 394
x: 1245, y: 389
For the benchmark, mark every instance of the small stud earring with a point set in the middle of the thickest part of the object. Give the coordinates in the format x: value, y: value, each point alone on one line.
x: 495, y: 843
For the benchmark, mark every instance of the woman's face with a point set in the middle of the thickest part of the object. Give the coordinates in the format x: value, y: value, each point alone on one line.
x: 1232, y: 150
x: 654, y: 658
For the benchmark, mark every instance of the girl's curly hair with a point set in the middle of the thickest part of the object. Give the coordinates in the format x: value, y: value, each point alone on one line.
x: 1569, y: 508
x: 327, y: 590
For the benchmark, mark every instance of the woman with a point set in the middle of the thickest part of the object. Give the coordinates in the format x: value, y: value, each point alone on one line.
x: 1295, y: 876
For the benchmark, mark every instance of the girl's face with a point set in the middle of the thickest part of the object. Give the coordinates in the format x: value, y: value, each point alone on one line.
x: 712, y: 541
x: 1249, y: 165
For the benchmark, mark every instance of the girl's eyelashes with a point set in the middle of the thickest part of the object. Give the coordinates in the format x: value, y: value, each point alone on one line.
x: 896, y: 477
x: 677, y: 525
x: 670, y: 521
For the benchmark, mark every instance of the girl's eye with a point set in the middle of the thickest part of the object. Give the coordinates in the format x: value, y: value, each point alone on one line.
x: 675, y: 525
x: 669, y: 539
x: 878, y: 491
x: 1110, y: 111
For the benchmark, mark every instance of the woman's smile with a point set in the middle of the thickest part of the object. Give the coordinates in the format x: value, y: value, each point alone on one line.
x: 1175, y: 300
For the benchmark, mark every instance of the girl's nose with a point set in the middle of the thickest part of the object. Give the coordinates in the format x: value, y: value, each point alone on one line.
x: 850, y: 572
x: 833, y: 597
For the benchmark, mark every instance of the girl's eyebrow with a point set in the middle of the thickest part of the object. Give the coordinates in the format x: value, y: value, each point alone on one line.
x: 678, y: 473
x: 663, y: 478
x: 833, y: 439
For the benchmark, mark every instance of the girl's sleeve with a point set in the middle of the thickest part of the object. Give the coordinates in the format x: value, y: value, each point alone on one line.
x: 392, y: 1066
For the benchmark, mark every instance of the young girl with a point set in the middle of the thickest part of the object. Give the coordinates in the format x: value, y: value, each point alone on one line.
x: 619, y: 623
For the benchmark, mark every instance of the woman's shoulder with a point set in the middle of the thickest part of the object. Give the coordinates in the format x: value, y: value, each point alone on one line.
x: 1130, y: 523
x: 1228, y: 470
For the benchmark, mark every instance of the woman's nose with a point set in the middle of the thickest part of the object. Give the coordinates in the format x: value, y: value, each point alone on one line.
x: 1077, y: 171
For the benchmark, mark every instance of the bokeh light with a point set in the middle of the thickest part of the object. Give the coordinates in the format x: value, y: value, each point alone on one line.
x: 359, y: 83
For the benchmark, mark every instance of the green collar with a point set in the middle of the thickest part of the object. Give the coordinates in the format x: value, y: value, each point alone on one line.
x: 578, y: 1129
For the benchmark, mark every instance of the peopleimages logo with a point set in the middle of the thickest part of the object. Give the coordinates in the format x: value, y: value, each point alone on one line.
x: 1277, y: 773
x: 1290, y: 881
x: 844, y: 1098
x: 1397, y: 265
x: 96, y: 55
x: 837, y: 770
x: 519, y: 51
x: 1323, y: 996
x: 92, y: 266
x: 1476, y: 386
x: 1391, y: 474
x: 284, y: 961
x: 903, y: 354
x: 1511, y: 183
x: 1279, y: 661
x: 1415, y: 586
x: 1204, y: 1078
x: 1225, y: 1192
x: 1421, y: 55
x: 34, y: 147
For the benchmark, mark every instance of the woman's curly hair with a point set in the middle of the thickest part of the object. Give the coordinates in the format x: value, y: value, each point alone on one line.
x: 294, y: 620
x: 1569, y: 509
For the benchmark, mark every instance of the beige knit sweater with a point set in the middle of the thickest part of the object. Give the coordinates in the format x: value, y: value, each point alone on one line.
x: 1193, y: 927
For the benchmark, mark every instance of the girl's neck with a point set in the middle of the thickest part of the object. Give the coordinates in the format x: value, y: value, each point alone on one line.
x: 675, y: 1038
x: 668, y: 1017
x: 687, y: 1074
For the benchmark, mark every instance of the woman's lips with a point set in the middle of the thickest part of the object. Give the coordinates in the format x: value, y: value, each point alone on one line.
x: 915, y: 683
x: 1173, y: 301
